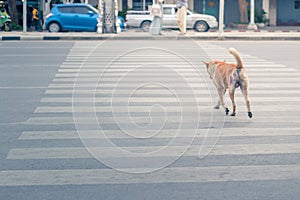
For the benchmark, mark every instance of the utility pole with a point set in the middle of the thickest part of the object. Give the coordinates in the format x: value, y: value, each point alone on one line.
x: 221, y: 19
x: 100, y: 19
x: 24, y: 16
x: 252, y: 24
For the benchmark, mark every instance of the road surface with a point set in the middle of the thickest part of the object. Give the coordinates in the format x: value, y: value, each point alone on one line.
x: 134, y: 120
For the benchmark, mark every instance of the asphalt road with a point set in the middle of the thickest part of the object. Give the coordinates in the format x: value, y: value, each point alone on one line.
x: 134, y: 120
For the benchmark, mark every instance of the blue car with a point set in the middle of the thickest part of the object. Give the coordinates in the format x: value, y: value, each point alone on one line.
x: 72, y: 17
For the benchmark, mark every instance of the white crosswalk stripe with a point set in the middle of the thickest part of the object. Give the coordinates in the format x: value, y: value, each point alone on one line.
x: 167, y: 175
x: 94, y: 134
x: 108, y: 88
x: 72, y: 153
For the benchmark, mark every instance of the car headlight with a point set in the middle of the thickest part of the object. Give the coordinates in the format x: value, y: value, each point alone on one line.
x: 212, y: 18
x: 49, y: 15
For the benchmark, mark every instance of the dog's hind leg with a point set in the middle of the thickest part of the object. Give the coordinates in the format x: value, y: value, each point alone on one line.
x: 221, y: 93
x: 244, y: 90
x: 231, y: 95
x: 218, y: 105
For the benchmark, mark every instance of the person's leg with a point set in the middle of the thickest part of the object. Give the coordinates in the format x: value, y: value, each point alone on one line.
x: 155, y: 26
x: 179, y: 19
x: 33, y: 25
x: 160, y: 28
x: 183, y: 20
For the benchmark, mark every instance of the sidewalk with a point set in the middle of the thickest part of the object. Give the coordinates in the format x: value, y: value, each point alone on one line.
x: 268, y: 33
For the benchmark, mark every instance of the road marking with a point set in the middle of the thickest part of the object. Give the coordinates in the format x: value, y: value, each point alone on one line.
x: 193, y: 82
x: 281, y: 95
x: 156, y: 99
x: 124, y: 109
x: 117, y: 109
x: 176, y: 85
x: 23, y: 87
x: 260, y: 118
x: 86, y: 69
x: 166, y: 133
x: 107, y: 91
x: 250, y: 73
x: 81, y: 80
x: 94, y: 65
x: 145, y: 151
x: 166, y: 175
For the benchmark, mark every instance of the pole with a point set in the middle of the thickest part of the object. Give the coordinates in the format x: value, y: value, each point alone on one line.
x: 100, y: 19
x: 24, y: 16
x: 221, y: 19
x: 252, y: 24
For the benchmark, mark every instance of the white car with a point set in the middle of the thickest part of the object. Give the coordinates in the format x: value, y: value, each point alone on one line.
x: 198, y: 22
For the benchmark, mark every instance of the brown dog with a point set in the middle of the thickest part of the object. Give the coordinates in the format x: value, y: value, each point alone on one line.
x: 229, y: 76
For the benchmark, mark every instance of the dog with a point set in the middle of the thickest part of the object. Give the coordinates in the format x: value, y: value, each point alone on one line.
x: 227, y: 76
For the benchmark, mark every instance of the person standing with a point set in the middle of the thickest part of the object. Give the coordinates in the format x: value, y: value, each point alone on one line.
x: 181, y: 15
x: 156, y: 24
x: 29, y: 18
x: 35, y: 18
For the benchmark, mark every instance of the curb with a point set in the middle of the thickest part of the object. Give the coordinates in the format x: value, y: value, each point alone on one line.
x: 149, y: 37
x: 10, y: 38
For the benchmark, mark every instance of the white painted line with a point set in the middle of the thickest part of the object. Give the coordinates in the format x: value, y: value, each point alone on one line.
x: 160, y: 99
x: 136, y: 109
x: 166, y: 175
x: 23, y: 87
x: 198, y: 83
x: 105, y: 152
x: 52, y: 120
x: 85, y: 82
x: 260, y: 117
x: 112, y: 81
x: 281, y: 79
x: 137, y: 57
x: 161, y: 71
x: 120, y: 100
x: 97, y: 67
x: 107, y: 91
x: 168, y: 133
x: 117, y: 109
x: 129, y: 71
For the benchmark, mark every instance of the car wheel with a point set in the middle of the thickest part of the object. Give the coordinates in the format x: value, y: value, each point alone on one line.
x: 201, y: 26
x: 145, y: 26
x: 54, y: 27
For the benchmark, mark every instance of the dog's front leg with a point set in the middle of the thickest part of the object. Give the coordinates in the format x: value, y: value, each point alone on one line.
x: 221, y: 92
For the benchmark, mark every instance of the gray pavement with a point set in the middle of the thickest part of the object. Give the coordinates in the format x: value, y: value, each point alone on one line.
x: 268, y: 33
x: 42, y: 156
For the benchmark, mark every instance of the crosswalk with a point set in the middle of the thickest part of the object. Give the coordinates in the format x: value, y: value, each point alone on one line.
x: 140, y: 112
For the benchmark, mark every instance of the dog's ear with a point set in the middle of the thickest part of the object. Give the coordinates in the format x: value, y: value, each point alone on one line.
x: 206, y: 63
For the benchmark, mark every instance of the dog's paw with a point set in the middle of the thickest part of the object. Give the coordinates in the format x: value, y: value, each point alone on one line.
x: 226, y: 111
x: 250, y: 114
x: 232, y: 114
x: 217, y: 107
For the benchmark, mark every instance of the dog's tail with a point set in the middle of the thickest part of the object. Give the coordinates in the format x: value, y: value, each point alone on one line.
x: 237, y: 57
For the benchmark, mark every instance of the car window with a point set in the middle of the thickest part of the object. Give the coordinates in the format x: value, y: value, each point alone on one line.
x: 167, y: 11
x: 65, y: 9
x: 80, y: 9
